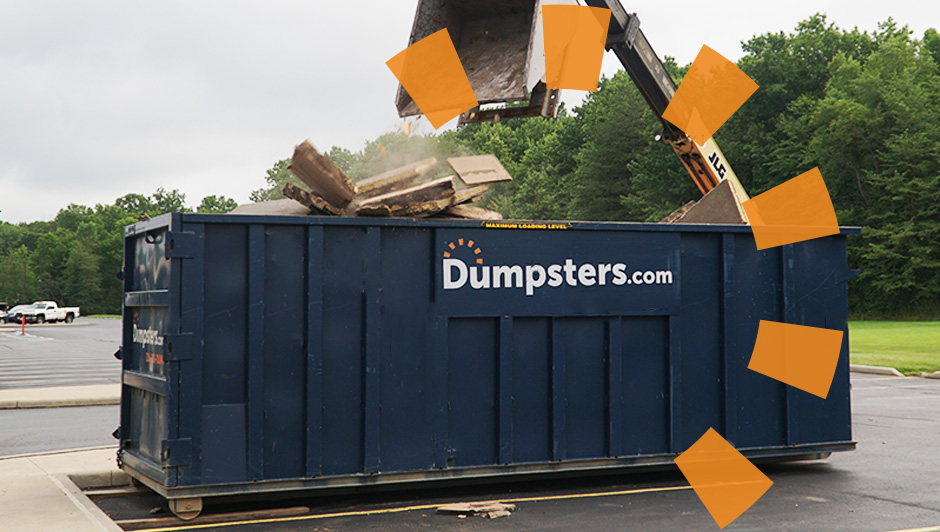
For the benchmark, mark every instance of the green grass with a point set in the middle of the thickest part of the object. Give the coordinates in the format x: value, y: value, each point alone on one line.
x: 105, y: 316
x: 912, y: 347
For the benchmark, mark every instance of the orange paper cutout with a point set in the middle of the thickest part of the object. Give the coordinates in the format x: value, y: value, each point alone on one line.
x: 431, y: 72
x: 726, y: 482
x: 712, y: 90
x: 575, y: 38
x: 797, y: 210
x: 803, y: 357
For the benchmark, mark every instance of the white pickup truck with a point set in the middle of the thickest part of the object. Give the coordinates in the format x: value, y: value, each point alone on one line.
x: 47, y: 311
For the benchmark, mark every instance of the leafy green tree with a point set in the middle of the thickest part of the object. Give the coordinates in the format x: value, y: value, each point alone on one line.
x: 931, y: 44
x: 168, y: 201
x: 160, y: 202
x: 216, y: 204
x: 276, y: 177
x: 81, y: 288
x: 11, y: 237
x: 48, y: 259
x: 135, y: 205
x: 72, y: 216
x: 619, y: 133
x: 18, y: 281
x: 538, y: 153
x: 792, y: 71
x: 874, y: 137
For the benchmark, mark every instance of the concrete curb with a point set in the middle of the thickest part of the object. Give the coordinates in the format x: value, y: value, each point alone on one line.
x: 93, y: 395
x: 73, y: 490
x: 934, y: 375
x: 44, y: 492
x: 875, y: 370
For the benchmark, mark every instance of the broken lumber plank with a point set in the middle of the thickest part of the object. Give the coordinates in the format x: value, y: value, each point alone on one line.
x: 469, y: 195
x: 310, y: 200
x: 419, y: 201
x: 281, y: 207
x: 469, y: 212
x: 479, y: 169
x: 322, y: 176
x: 393, y: 179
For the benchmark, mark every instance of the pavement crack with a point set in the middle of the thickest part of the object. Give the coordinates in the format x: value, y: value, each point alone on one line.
x: 892, y: 501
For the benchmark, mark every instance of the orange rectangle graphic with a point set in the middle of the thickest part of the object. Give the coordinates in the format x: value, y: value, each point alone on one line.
x: 434, y: 77
x: 575, y: 38
x: 712, y: 90
x: 726, y: 482
x: 797, y: 210
x: 803, y: 357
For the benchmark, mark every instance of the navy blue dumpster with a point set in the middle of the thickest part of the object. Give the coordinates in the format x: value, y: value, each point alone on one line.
x: 265, y: 354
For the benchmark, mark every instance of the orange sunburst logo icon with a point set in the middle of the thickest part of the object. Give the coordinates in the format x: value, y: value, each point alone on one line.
x: 469, y: 244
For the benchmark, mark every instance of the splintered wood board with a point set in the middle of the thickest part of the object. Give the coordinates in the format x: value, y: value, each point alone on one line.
x: 479, y: 169
x: 322, y: 176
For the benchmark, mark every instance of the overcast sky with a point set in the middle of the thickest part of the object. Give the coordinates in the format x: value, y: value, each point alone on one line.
x: 101, y: 98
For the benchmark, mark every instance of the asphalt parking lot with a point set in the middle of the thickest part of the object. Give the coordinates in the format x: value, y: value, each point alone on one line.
x: 891, y: 482
x: 60, y: 354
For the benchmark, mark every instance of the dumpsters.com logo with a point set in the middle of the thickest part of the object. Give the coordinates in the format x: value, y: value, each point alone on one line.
x: 530, y: 277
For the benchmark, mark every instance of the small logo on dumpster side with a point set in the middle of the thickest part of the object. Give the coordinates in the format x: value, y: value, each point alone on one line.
x: 469, y: 244
x: 147, y: 336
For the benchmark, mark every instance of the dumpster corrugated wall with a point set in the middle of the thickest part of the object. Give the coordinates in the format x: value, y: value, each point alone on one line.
x: 269, y: 353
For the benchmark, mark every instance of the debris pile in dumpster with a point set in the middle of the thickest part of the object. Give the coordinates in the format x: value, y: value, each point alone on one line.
x: 410, y: 191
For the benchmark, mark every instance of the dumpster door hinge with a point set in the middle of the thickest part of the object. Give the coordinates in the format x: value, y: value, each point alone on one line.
x: 178, y: 347
x: 175, y: 453
x: 180, y: 245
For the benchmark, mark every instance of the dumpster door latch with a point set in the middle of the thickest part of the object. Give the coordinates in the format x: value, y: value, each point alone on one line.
x: 178, y: 347
x: 180, y: 245
x: 177, y: 453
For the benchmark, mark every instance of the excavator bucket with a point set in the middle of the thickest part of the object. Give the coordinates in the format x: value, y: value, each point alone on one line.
x: 500, y: 45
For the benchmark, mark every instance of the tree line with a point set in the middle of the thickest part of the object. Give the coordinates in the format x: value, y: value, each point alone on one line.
x: 862, y: 106
x: 74, y: 259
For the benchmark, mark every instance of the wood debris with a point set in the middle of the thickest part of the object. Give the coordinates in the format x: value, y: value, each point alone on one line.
x: 388, y: 181
x: 321, y: 175
x: 310, y: 200
x: 409, y: 191
x: 283, y: 207
x: 479, y: 169
x: 490, y: 510
x: 469, y: 212
x: 418, y: 201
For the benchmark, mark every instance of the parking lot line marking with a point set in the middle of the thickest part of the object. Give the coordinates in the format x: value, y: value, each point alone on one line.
x: 402, y: 509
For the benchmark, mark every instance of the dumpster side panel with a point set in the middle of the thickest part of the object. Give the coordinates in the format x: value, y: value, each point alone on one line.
x: 407, y: 353
x: 644, y: 386
x: 225, y: 354
x: 344, y: 250
x: 285, y: 294
x: 581, y: 348
x: 756, y: 404
x: 532, y: 390
x: 702, y: 390
x: 817, y: 296
x: 473, y: 430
